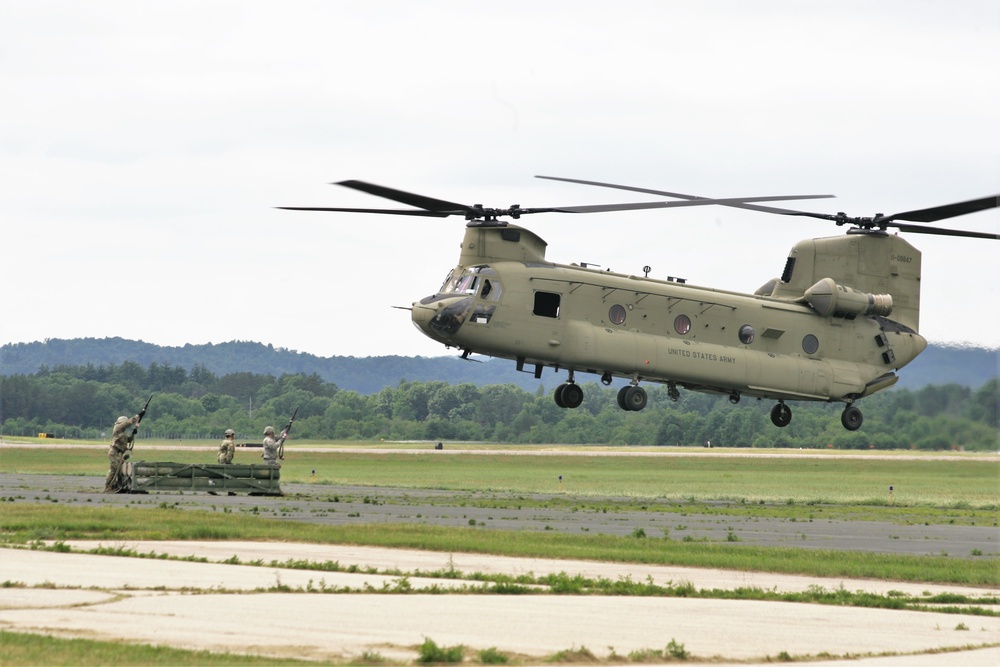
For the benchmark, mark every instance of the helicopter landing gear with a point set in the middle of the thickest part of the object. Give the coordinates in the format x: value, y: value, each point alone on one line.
x: 673, y: 392
x: 632, y: 398
x: 781, y: 415
x: 852, y: 418
x: 734, y: 397
x: 568, y: 395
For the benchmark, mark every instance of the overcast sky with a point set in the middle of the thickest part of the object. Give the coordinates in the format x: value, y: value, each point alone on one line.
x: 144, y: 146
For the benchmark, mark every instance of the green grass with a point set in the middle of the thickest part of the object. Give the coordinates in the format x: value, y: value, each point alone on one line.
x: 30, y: 649
x: 968, y: 482
x: 24, y: 524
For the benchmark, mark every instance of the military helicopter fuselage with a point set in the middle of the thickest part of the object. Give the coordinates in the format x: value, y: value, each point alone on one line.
x: 838, y: 323
x: 805, y: 336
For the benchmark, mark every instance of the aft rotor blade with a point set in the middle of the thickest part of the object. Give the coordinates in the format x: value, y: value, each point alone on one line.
x: 936, y: 213
x: 729, y: 201
x: 735, y: 204
x: 922, y: 215
x: 944, y: 232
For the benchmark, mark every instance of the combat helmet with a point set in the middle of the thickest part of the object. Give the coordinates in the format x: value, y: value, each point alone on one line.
x: 269, y: 430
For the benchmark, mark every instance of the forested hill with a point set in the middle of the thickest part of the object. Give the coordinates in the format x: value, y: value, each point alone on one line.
x: 968, y: 366
x: 364, y: 375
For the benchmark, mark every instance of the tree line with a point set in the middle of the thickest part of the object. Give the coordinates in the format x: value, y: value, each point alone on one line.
x: 83, y: 402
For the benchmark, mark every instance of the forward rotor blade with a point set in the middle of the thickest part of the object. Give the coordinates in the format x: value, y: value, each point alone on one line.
x: 439, y: 208
x: 420, y: 201
x: 388, y: 211
x: 936, y: 213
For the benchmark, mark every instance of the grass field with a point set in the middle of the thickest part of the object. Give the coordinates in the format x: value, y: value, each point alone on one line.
x: 927, y: 490
x: 751, y: 476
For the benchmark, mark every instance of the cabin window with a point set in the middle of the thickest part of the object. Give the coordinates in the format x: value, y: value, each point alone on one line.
x: 747, y: 334
x: 810, y: 344
x: 682, y: 324
x: 617, y: 314
x: 546, y: 304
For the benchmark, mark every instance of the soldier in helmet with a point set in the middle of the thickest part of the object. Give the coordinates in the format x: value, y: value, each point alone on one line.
x: 271, y: 447
x: 118, y: 451
x: 228, y: 447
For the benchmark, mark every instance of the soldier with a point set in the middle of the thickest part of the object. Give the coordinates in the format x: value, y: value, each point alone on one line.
x: 272, y: 447
x: 118, y: 451
x: 228, y: 447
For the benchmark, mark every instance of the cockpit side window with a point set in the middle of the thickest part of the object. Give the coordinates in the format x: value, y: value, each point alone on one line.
x: 446, y: 285
x: 492, y: 289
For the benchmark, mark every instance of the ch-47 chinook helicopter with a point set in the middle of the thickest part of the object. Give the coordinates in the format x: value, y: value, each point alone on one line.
x: 837, y: 324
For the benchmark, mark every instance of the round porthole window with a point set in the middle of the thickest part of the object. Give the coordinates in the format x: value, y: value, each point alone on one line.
x: 747, y: 334
x: 682, y: 324
x: 810, y: 344
x: 617, y: 314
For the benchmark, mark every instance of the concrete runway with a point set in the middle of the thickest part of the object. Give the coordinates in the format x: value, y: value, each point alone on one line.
x: 322, y: 615
x: 239, y: 609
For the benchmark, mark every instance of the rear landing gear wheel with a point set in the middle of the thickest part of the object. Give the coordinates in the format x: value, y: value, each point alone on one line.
x: 781, y: 415
x: 568, y: 395
x: 572, y: 395
x: 852, y: 418
x: 621, y: 398
x: 632, y: 398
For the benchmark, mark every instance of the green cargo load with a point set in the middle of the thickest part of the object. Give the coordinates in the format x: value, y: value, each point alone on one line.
x: 256, y: 480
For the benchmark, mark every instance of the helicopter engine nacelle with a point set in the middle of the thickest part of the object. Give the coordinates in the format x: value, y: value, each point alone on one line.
x: 828, y: 298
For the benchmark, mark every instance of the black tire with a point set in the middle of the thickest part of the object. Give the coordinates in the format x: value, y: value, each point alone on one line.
x: 781, y: 415
x: 558, y: 395
x: 621, y: 398
x: 852, y: 418
x: 635, y: 398
x: 572, y: 395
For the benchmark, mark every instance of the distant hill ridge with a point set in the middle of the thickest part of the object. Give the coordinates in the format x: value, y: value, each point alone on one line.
x: 968, y: 366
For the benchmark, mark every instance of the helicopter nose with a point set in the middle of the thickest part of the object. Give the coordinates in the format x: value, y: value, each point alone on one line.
x: 421, y: 315
x: 441, y: 319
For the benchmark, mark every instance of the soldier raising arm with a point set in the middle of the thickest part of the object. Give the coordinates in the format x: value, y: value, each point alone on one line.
x: 117, y: 451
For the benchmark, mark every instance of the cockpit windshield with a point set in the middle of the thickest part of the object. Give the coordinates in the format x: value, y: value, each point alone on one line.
x: 469, y: 281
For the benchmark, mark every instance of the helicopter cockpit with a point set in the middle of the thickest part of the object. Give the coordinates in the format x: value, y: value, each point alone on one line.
x: 481, y: 281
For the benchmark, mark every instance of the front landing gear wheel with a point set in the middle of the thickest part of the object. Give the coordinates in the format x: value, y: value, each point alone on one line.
x: 852, y: 418
x: 781, y: 415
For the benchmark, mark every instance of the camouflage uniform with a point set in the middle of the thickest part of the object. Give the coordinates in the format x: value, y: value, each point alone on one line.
x: 227, y: 449
x: 271, y: 447
x: 117, y: 451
